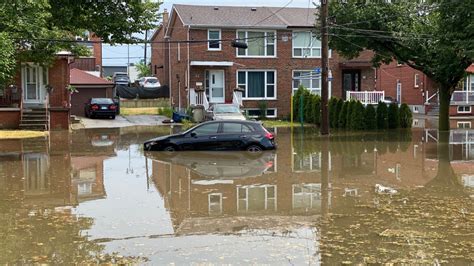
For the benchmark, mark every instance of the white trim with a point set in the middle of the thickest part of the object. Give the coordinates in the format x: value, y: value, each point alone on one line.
x: 464, y: 112
x: 463, y: 123
x: 40, y: 83
x: 210, y: 87
x: 308, y: 47
x: 209, y: 202
x: 246, y: 98
x: 212, y: 63
x: 417, y: 80
x: 178, y: 47
x: 265, y: 43
x: 209, y: 40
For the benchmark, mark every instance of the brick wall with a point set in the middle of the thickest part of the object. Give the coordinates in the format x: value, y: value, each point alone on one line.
x: 59, y: 118
x: 59, y: 79
x: 9, y: 119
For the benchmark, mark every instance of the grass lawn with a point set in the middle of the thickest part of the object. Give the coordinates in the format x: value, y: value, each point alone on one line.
x: 139, y: 111
x: 281, y: 123
x: 21, y: 134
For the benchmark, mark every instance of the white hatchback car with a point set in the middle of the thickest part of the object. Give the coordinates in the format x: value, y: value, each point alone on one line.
x: 149, y: 82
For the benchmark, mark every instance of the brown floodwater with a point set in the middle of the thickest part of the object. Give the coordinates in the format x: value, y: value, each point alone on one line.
x: 94, y: 196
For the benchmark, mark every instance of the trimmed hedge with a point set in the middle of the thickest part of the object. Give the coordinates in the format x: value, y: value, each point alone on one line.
x: 351, y: 115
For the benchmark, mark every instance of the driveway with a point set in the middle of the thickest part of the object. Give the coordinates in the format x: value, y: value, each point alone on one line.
x: 121, y: 121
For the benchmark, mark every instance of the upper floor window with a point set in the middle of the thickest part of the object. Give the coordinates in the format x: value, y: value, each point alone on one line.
x: 305, y: 44
x: 214, y: 38
x: 260, y: 43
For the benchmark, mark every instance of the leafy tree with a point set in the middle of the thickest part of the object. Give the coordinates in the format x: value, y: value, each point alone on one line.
x: 370, y: 121
x: 382, y: 116
x: 406, y: 117
x: 343, y: 115
x: 143, y: 70
x: 34, y: 31
x: 357, y: 116
x: 434, y: 37
x: 393, y: 117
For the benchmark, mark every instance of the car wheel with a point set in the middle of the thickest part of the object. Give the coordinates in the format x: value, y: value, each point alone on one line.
x: 112, y: 117
x: 254, y: 148
x: 169, y: 148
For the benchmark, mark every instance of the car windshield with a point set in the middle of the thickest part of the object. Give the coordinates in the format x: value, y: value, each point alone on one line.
x: 152, y: 81
x: 101, y: 101
x: 226, y: 109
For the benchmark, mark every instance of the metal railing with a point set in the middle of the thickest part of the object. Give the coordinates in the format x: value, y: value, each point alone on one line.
x: 430, y: 98
x: 462, y: 97
x: 198, y: 98
x: 237, y: 98
x: 366, y: 97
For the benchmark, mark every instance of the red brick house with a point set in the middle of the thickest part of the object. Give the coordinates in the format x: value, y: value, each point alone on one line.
x: 38, y: 98
x: 282, y: 54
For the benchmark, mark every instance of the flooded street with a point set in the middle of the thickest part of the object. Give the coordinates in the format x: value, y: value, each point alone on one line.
x: 94, y: 196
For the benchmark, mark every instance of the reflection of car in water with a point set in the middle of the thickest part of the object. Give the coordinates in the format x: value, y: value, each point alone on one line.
x: 224, y: 112
x: 220, y: 164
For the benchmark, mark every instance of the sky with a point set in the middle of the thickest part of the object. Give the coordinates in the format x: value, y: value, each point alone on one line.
x: 118, y: 55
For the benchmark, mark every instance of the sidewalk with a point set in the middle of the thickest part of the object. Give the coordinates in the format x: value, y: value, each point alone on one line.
x: 121, y: 121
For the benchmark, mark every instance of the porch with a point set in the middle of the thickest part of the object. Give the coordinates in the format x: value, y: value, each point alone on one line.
x: 366, y: 97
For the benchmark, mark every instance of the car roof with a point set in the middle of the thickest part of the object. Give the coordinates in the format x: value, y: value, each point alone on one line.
x: 231, y: 121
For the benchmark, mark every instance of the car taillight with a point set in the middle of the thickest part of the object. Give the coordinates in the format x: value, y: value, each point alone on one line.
x: 95, y: 107
x: 112, y: 107
x: 269, y: 135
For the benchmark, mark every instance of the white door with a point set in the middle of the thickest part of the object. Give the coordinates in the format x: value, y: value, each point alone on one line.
x: 216, y: 86
x: 34, y: 83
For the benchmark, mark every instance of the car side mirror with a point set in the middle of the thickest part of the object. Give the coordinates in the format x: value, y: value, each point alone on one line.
x: 193, y: 134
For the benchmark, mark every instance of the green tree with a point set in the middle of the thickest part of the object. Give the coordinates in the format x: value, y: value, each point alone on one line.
x: 143, y: 70
x: 316, y: 108
x: 393, y: 117
x: 406, y: 117
x: 370, y: 121
x: 434, y: 37
x: 343, y: 115
x: 332, y: 112
x: 357, y: 116
x: 37, y: 30
x: 382, y: 116
x: 339, y: 104
x: 350, y: 109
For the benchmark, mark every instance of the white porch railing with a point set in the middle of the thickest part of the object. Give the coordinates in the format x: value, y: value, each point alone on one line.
x: 366, y: 97
x: 198, y: 98
x: 429, y: 98
x: 237, y: 98
x: 462, y: 97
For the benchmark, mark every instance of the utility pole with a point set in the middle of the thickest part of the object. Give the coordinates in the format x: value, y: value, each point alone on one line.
x: 323, y: 13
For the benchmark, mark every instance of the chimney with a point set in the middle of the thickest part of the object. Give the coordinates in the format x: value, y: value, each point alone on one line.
x: 165, y: 17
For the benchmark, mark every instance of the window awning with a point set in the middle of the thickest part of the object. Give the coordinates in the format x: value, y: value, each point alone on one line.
x: 212, y: 63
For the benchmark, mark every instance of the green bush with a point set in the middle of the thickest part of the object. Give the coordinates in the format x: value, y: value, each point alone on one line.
x: 263, y: 106
x: 316, y: 109
x: 302, y: 91
x: 339, y: 104
x: 357, y: 116
x: 382, y: 116
x: 393, y: 117
x: 166, y: 111
x: 342, y: 115
x: 350, y: 109
x: 405, y: 116
x: 308, y: 112
x: 332, y: 112
x: 370, y: 118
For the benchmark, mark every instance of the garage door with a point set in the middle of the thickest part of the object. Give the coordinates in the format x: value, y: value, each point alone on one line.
x: 78, y: 99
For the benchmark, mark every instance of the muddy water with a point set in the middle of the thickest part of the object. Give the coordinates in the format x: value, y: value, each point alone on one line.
x: 93, y: 196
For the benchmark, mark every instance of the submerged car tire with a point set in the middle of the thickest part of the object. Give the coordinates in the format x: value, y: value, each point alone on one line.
x: 169, y: 148
x: 254, y: 148
x: 112, y: 117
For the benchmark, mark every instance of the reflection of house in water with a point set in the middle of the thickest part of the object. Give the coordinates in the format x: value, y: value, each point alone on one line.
x: 52, y: 172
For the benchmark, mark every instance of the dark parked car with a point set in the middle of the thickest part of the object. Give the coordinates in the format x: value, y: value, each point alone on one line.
x: 224, y: 135
x: 103, y: 107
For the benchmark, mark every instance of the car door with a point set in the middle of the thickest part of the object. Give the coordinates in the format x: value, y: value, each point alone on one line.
x: 204, y: 138
x: 234, y: 136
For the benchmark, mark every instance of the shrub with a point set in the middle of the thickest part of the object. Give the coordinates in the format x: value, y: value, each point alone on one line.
x: 332, y: 112
x: 393, y: 117
x: 382, y: 113
x: 166, y: 111
x: 405, y: 116
x: 370, y: 118
x: 263, y: 106
x: 342, y: 115
x: 302, y: 91
x: 357, y: 116
x: 316, y: 109
x: 350, y: 109
x: 308, y: 111
x: 339, y: 104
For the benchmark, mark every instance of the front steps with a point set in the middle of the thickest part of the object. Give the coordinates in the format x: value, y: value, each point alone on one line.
x: 35, y: 119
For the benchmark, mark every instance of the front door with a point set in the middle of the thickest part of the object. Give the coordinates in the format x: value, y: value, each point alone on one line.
x: 34, y: 79
x: 216, y: 86
x: 350, y: 81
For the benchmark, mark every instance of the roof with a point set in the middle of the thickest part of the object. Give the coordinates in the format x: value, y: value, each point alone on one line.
x: 79, y: 77
x: 470, y: 69
x: 245, y: 16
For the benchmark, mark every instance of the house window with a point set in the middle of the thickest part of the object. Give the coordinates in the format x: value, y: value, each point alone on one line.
x: 464, y: 124
x: 256, y: 198
x: 417, y: 80
x: 416, y: 109
x: 252, y: 113
x: 308, y: 79
x: 260, y: 43
x: 214, y: 37
x: 471, y: 78
x: 464, y: 109
x: 305, y: 44
x: 257, y: 84
x: 215, y: 203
